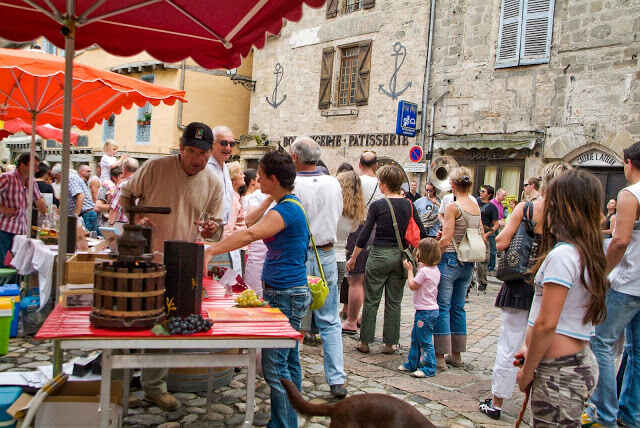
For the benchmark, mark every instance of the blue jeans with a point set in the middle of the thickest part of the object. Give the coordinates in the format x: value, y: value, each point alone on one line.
x: 492, y: 252
x: 90, y: 219
x: 327, y: 319
x: 451, y: 326
x: 6, y: 242
x: 284, y: 363
x: 623, y: 312
x: 421, y: 354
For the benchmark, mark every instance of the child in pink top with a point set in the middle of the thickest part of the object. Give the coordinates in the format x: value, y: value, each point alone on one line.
x: 422, y: 358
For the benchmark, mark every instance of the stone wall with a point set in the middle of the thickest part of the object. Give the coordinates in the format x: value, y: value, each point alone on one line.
x: 299, y: 48
x: 588, y: 93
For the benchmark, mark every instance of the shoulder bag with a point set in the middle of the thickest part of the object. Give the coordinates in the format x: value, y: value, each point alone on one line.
x: 412, y: 234
x: 317, y: 286
x: 514, y: 265
x: 406, y: 252
x: 472, y: 247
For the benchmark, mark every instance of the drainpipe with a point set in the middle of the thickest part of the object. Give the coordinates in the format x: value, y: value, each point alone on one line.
x: 425, y: 93
x: 431, y: 125
x: 183, y: 70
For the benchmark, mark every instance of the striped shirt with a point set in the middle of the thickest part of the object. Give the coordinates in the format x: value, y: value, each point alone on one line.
x: 77, y: 185
x: 13, y: 194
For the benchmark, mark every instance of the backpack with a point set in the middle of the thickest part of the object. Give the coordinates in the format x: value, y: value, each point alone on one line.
x: 472, y: 247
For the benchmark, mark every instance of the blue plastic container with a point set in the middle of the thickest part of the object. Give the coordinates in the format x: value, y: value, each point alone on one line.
x: 8, y: 396
x: 12, y: 290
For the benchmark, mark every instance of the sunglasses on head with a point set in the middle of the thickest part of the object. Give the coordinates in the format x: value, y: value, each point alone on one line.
x: 225, y: 143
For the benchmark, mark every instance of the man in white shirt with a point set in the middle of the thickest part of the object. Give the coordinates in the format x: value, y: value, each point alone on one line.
x: 321, y: 197
x: 623, y: 310
x: 223, y: 143
x: 370, y: 189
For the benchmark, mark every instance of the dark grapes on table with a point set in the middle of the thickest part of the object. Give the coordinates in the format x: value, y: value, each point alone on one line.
x: 188, y: 325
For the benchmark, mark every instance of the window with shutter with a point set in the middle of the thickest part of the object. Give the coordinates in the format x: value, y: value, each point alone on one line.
x: 332, y: 8
x: 508, y: 53
x: 537, y: 28
x: 352, y: 5
x: 143, y: 126
x: 326, y: 74
x: 526, y: 28
x: 348, y: 76
x: 364, y: 72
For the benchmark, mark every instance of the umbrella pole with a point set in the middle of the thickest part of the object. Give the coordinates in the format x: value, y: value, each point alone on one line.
x: 69, y: 51
x: 32, y: 155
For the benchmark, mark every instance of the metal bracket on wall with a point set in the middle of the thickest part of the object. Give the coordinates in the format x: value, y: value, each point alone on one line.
x: 340, y: 112
x: 244, y: 81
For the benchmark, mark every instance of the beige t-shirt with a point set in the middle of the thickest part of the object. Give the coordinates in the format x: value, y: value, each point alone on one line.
x: 162, y: 182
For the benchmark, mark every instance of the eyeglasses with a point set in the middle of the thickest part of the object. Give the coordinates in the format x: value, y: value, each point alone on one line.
x: 225, y: 143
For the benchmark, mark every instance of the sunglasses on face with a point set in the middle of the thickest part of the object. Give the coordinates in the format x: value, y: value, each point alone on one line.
x: 225, y: 143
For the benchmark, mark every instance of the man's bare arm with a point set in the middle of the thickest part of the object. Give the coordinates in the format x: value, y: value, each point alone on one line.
x: 626, y: 215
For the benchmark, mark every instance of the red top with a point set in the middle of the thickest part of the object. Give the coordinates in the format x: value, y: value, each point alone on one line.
x: 13, y: 194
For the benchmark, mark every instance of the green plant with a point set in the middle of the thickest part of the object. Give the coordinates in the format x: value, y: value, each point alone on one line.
x: 147, y: 115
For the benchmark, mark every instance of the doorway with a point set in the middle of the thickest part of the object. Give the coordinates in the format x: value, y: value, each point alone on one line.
x: 612, y: 180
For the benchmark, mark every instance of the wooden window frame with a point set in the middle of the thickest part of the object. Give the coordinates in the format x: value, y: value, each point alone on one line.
x: 480, y: 168
x: 354, y: 75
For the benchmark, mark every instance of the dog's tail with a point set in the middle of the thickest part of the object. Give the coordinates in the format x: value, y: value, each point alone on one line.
x: 303, y: 406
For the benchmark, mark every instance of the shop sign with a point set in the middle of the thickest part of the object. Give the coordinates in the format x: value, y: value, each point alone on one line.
x: 415, y: 167
x: 359, y: 140
x: 596, y: 158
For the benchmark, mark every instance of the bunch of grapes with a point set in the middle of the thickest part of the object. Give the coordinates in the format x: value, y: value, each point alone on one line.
x: 249, y: 299
x: 189, y: 325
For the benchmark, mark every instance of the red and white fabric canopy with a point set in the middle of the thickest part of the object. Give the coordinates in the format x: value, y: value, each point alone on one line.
x: 215, y: 33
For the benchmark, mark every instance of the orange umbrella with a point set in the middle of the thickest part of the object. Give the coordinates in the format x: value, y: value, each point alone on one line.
x: 32, y: 82
x: 32, y: 88
x: 48, y: 132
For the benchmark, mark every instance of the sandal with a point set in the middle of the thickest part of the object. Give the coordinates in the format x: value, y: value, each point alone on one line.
x: 454, y: 363
x: 441, y: 364
x: 363, y: 349
x: 390, y: 349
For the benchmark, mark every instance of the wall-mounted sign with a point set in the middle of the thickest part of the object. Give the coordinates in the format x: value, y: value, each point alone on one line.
x: 415, y: 154
x: 407, y: 118
x: 360, y: 140
x: 415, y: 167
x: 596, y: 158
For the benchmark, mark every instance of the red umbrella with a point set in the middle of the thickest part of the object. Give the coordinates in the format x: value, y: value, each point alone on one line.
x: 216, y: 34
x: 48, y: 132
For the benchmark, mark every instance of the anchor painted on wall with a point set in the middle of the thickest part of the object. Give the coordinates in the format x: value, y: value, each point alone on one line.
x: 399, y: 54
x: 278, y: 72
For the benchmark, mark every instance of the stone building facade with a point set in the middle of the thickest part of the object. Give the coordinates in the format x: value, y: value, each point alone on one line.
x: 518, y: 83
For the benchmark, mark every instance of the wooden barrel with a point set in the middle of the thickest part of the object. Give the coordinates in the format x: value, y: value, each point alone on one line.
x: 128, y: 296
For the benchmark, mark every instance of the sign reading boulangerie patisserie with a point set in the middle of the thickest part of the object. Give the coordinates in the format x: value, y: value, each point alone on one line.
x: 361, y: 140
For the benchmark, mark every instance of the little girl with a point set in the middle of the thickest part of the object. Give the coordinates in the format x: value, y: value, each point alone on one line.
x: 422, y: 357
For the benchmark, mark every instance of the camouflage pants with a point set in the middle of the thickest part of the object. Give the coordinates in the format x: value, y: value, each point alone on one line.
x: 561, y: 388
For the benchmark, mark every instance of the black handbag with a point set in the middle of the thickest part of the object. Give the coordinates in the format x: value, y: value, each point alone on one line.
x: 516, y: 261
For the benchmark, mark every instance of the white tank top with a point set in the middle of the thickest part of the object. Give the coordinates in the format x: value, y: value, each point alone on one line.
x: 625, y: 277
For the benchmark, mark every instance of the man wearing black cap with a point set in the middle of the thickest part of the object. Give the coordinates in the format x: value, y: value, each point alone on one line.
x: 184, y: 184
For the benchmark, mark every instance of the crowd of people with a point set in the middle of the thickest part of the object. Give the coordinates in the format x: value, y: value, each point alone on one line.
x: 571, y: 300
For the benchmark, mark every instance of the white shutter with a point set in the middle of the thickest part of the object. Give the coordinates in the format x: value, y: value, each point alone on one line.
x: 537, y: 29
x: 508, y: 51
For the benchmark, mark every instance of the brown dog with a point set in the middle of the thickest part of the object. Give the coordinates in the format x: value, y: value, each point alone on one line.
x: 361, y: 411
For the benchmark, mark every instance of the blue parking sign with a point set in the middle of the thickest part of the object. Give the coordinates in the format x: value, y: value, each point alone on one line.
x: 407, y: 118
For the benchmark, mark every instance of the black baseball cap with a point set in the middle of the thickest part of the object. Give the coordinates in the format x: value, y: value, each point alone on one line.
x: 198, y: 135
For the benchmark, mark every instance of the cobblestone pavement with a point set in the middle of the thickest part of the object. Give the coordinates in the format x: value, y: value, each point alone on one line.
x: 449, y: 399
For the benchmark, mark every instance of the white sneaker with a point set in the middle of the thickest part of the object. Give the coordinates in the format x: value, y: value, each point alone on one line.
x: 402, y: 368
x: 418, y: 373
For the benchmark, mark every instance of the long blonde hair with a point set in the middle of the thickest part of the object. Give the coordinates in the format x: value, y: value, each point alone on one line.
x: 352, y: 200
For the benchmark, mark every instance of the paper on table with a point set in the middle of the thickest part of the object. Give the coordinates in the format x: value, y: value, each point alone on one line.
x: 68, y: 369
